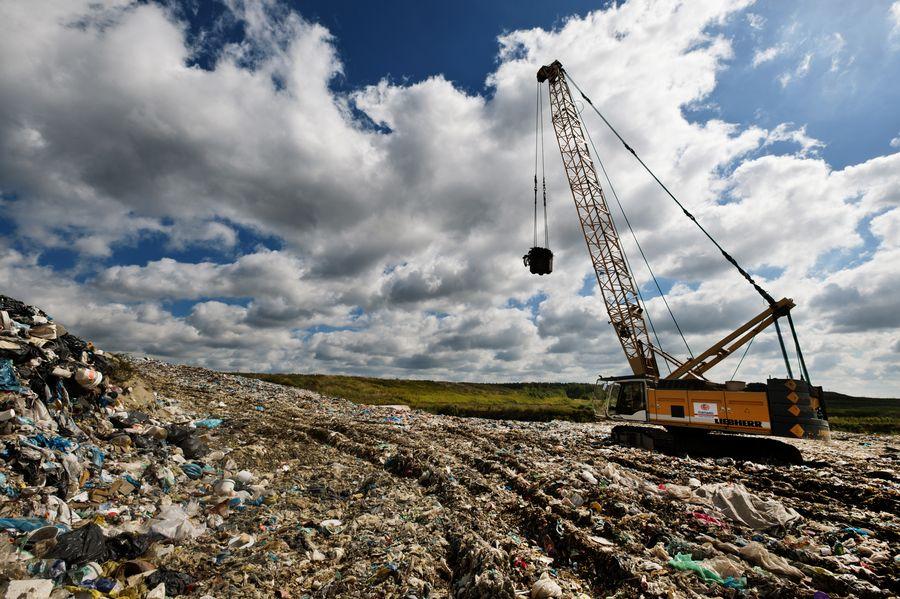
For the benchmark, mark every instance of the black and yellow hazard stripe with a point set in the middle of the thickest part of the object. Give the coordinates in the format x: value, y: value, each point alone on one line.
x: 794, y: 410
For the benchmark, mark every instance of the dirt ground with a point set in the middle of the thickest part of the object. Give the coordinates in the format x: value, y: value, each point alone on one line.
x: 365, y: 501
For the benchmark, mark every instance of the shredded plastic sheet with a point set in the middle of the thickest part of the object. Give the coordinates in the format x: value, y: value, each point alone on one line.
x: 756, y: 553
x: 725, y: 567
x: 627, y: 479
x: 22, y: 524
x: 736, y: 503
x: 80, y: 546
x: 685, y: 562
x: 733, y: 500
x: 740, y: 505
x: 707, y: 519
x: 51, y: 442
x: 192, y: 470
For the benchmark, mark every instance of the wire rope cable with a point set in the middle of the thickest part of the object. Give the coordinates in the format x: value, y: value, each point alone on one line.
x: 765, y: 294
x: 537, y: 120
x: 543, y: 168
x: 744, y: 355
x: 638, y: 243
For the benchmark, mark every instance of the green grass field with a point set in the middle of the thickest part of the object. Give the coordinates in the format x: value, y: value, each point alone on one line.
x: 863, y: 414
x: 541, y: 401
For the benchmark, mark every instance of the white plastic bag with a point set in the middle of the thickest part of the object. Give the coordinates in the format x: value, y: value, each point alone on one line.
x: 173, y: 522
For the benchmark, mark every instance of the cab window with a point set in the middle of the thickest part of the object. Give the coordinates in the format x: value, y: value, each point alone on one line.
x: 630, y: 398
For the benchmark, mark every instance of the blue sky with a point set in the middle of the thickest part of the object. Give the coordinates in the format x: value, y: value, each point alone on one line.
x: 408, y: 39
x: 852, y: 111
x: 344, y: 186
x: 846, y: 98
x: 841, y: 100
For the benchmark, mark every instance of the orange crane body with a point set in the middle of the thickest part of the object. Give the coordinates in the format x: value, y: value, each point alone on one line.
x: 684, y: 400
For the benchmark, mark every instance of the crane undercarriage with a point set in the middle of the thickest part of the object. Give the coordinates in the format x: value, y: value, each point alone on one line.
x: 690, y: 442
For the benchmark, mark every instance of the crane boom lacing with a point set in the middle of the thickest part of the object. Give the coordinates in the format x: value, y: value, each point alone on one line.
x: 624, y: 303
x: 613, y: 276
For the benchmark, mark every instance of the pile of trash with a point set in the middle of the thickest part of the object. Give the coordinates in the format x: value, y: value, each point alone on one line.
x: 99, y: 482
x: 134, y: 478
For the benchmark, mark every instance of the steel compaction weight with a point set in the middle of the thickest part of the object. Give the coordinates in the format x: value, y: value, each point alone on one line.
x: 539, y: 261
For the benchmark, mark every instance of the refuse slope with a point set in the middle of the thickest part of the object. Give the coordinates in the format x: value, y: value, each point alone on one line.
x: 543, y: 401
x: 443, y: 506
x: 181, y: 480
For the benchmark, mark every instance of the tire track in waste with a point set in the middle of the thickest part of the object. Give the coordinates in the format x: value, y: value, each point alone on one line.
x: 271, y: 424
x: 803, y: 490
x: 677, y: 516
x: 478, y: 569
x: 548, y: 523
x: 348, y: 585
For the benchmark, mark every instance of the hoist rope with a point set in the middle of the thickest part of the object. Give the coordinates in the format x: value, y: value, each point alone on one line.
x: 640, y: 249
x: 765, y: 295
x: 539, y: 150
x: 543, y: 169
x: 537, y: 120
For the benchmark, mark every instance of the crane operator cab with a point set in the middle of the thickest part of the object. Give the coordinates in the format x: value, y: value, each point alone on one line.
x: 624, y: 399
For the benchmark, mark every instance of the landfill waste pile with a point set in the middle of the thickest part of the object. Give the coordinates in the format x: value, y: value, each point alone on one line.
x: 126, y: 477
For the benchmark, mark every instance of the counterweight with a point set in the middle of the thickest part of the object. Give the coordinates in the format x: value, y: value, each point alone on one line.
x: 613, y: 276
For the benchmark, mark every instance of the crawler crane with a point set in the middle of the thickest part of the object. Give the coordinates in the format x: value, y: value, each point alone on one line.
x: 684, y: 402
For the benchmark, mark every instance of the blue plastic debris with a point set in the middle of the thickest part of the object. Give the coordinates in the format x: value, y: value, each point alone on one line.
x: 104, y: 585
x: 209, y: 422
x: 735, y: 583
x: 58, y: 443
x: 22, y: 524
x: 192, y: 470
x: 6, y: 489
x: 860, y: 531
x: 8, y: 379
x: 54, y: 569
x: 97, y: 456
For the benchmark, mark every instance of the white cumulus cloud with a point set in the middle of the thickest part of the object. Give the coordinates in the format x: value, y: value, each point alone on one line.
x: 767, y: 55
x: 399, y: 245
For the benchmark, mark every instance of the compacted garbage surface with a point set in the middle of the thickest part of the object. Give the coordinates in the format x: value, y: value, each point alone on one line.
x: 127, y: 477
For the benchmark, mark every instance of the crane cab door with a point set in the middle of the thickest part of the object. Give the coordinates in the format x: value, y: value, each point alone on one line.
x: 627, y: 400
